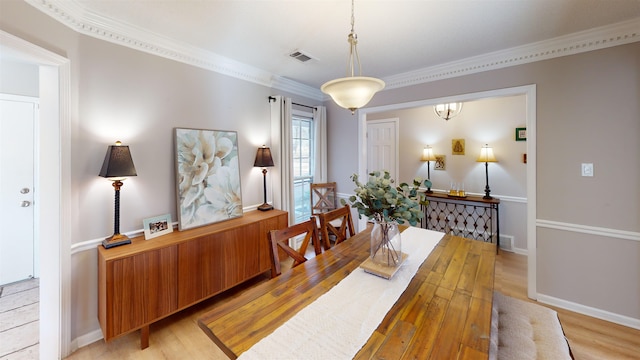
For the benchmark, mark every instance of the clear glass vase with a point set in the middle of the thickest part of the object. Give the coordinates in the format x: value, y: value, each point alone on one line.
x: 386, y: 249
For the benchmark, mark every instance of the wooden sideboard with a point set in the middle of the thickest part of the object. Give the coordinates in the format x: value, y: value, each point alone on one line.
x: 143, y: 282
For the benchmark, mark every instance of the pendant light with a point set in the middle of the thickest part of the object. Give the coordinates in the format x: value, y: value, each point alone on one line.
x: 447, y: 111
x: 352, y: 92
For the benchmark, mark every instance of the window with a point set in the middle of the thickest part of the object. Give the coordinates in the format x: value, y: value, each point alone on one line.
x: 302, y: 136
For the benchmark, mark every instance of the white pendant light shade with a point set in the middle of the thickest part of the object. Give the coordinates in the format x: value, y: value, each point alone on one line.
x: 352, y: 92
x: 447, y: 111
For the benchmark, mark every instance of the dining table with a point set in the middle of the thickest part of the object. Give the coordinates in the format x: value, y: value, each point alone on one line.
x: 443, y: 313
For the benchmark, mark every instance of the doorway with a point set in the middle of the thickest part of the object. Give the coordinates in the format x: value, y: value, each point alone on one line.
x: 529, y: 91
x: 52, y: 218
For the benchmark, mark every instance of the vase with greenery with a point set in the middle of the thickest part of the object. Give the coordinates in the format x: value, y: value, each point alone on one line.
x: 387, y: 205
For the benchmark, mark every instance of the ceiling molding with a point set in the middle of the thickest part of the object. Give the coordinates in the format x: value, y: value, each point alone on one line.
x: 589, y: 40
x: 77, y: 18
x: 89, y: 23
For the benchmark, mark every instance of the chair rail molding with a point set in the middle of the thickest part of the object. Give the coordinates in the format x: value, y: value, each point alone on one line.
x: 592, y: 230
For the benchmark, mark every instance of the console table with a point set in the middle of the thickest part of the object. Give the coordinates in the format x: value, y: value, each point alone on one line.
x: 470, y: 216
x: 141, y: 283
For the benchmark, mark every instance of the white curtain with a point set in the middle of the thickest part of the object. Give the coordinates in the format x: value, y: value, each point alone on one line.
x: 320, y: 151
x: 281, y: 151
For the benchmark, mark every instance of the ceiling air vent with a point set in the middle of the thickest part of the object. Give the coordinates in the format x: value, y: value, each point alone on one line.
x: 300, y: 56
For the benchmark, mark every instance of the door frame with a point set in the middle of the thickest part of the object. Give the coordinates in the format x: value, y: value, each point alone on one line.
x: 529, y: 91
x: 53, y: 160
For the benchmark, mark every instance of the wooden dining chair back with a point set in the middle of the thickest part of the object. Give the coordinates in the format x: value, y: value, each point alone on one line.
x: 323, y: 197
x: 336, y: 224
x: 279, y: 241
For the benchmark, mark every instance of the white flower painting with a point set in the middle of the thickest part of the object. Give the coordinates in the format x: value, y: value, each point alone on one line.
x: 207, y: 177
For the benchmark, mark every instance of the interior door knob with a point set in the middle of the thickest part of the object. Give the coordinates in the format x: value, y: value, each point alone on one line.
x: 26, y: 203
x: 24, y: 191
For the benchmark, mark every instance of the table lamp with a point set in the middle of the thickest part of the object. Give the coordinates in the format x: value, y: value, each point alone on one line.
x: 486, y: 156
x: 117, y: 166
x: 264, y: 160
x: 427, y: 155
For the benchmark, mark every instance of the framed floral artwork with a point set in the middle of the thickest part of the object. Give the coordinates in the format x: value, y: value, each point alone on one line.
x: 207, y: 177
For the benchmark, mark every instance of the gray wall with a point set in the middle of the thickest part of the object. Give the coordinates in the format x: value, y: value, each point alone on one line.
x: 122, y: 94
x: 18, y: 78
x: 587, y: 111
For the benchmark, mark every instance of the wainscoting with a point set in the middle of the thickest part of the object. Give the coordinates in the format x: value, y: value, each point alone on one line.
x: 19, y: 324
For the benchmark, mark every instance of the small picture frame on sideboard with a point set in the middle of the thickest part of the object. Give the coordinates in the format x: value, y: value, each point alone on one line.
x: 157, y: 226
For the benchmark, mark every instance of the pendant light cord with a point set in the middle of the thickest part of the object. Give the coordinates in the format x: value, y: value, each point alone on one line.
x: 353, y: 42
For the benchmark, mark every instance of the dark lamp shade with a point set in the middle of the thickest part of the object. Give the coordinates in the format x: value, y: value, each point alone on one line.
x: 263, y: 157
x: 118, y: 162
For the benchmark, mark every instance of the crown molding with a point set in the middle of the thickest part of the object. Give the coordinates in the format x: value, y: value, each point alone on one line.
x: 593, y: 39
x: 73, y: 15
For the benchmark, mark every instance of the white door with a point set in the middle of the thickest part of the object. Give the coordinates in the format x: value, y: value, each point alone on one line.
x: 18, y: 116
x: 382, y: 146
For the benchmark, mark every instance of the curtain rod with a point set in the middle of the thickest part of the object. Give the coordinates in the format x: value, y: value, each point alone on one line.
x: 271, y: 98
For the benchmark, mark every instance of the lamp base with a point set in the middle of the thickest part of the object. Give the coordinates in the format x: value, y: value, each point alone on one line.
x: 115, y: 240
x: 265, y: 207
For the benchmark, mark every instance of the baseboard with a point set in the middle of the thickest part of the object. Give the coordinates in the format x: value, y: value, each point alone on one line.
x: 86, y: 339
x: 590, y: 311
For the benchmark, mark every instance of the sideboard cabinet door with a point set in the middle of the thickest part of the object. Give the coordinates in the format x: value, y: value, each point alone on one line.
x: 140, y: 288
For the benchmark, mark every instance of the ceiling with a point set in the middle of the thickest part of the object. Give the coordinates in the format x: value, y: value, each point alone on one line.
x: 395, y: 36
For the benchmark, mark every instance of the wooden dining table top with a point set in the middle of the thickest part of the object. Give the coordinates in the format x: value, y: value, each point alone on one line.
x: 444, y: 313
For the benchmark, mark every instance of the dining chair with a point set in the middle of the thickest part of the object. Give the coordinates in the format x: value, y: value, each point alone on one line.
x: 336, y: 224
x: 323, y: 197
x: 279, y: 241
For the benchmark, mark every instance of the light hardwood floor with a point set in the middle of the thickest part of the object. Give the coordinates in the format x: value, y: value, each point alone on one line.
x: 19, y: 325
x: 179, y: 337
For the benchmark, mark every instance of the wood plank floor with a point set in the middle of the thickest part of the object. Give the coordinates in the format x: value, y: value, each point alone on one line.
x: 179, y: 337
x: 19, y: 325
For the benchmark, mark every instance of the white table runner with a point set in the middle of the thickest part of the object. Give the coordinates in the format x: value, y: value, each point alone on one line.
x: 340, y: 322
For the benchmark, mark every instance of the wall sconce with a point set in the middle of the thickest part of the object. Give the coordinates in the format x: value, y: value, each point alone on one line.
x: 447, y: 111
x: 486, y: 156
x: 427, y: 155
x: 264, y: 160
x: 117, y: 166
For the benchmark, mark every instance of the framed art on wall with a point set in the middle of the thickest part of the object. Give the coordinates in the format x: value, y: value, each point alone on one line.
x: 457, y: 147
x: 207, y: 177
x: 521, y: 134
x: 157, y: 226
x: 441, y: 162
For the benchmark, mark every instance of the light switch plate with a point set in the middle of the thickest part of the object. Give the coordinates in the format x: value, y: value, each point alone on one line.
x: 587, y: 169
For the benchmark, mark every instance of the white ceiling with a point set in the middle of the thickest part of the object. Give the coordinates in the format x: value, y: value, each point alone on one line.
x: 395, y: 36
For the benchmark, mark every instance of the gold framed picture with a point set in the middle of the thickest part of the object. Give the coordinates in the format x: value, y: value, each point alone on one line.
x: 457, y: 147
